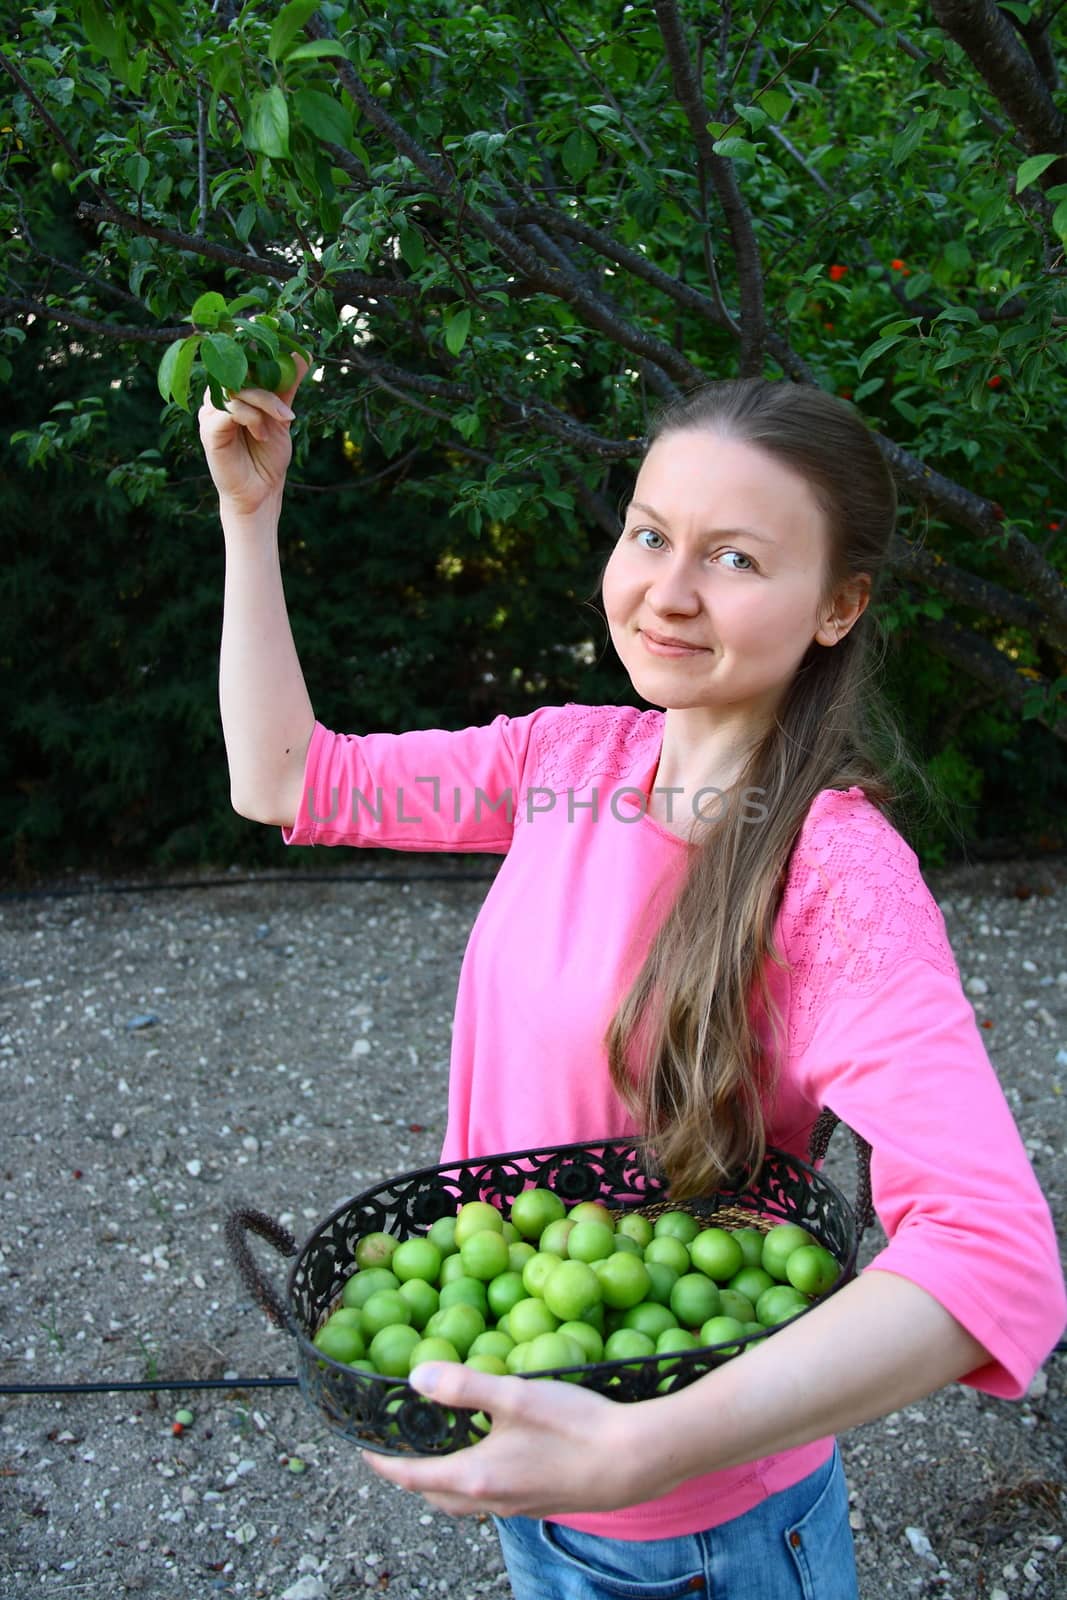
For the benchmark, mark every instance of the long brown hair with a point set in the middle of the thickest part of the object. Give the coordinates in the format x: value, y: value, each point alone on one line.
x: 698, y: 1085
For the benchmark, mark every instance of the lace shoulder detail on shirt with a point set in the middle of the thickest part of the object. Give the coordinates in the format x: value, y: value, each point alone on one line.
x: 855, y: 906
x: 587, y: 742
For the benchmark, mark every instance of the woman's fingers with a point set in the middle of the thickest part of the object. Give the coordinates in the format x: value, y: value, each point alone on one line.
x: 257, y: 418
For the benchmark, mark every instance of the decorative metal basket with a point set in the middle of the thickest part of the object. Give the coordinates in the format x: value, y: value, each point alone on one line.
x: 386, y: 1414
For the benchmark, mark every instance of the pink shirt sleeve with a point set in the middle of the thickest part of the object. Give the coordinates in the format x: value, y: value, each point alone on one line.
x: 427, y: 789
x: 894, y: 1049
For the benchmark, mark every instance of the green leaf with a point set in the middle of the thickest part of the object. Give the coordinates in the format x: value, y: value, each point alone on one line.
x: 735, y: 149
x: 136, y: 171
x: 267, y: 128
x: 287, y: 24
x: 579, y: 154
x: 457, y: 328
x: 208, y: 310
x: 1032, y: 168
x: 312, y: 49
x: 1059, y: 219
x: 776, y: 103
x: 959, y: 314
x: 953, y: 358
x: 99, y: 28
x: 412, y: 248
x: 324, y: 116
x: 871, y: 386
x: 755, y: 116
x: 260, y: 332
x: 166, y: 368
x: 906, y: 141
x: 224, y: 360
x: 175, y: 369
x: 246, y: 221
x: 624, y: 60
x: 873, y: 351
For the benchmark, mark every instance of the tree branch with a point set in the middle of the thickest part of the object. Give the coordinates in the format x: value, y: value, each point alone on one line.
x: 690, y: 96
x: 936, y: 71
x: 981, y: 660
x: 49, y: 121
x: 353, y: 283
x: 553, y: 280
x: 914, y: 561
x: 983, y: 32
x: 971, y: 511
x: 639, y: 266
x: 107, y: 330
x: 547, y: 418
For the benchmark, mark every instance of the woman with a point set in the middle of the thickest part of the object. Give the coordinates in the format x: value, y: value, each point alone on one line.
x: 706, y: 927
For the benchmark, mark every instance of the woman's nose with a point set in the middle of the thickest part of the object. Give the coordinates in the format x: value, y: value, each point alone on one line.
x: 674, y: 589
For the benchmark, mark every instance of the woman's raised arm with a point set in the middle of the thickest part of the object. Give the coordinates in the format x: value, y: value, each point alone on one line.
x: 267, y: 717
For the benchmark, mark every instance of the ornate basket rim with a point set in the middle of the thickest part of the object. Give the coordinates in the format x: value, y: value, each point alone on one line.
x: 418, y: 1425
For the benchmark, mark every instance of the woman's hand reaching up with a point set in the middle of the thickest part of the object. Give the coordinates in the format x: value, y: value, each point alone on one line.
x: 247, y: 446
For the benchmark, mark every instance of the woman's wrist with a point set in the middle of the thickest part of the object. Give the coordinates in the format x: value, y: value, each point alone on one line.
x: 259, y: 522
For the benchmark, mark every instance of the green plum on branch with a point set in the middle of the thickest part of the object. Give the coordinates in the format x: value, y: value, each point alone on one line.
x: 235, y: 351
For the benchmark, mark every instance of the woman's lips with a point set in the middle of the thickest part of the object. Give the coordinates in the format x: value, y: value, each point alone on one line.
x: 670, y: 647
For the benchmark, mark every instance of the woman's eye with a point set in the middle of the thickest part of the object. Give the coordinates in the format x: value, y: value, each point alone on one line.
x: 751, y: 565
x: 640, y: 536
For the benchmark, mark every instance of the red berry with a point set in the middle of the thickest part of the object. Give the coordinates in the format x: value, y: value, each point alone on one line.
x: 837, y: 273
x: 995, y: 381
x: 896, y: 264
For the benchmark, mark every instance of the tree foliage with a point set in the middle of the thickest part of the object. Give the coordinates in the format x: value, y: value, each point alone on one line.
x: 506, y: 234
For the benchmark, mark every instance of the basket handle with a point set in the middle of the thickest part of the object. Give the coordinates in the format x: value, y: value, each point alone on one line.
x: 240, y: 1222
x: 818, y: 1142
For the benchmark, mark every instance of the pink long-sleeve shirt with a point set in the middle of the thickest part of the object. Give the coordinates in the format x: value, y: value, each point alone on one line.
x: 879, y: 1027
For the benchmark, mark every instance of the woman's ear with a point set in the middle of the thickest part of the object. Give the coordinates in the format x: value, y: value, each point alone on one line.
x: 849, y: 606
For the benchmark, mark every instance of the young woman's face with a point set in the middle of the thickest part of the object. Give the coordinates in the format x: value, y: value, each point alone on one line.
x: 713, y: 591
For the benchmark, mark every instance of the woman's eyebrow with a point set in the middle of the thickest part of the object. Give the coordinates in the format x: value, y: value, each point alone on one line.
x: 748, y: 533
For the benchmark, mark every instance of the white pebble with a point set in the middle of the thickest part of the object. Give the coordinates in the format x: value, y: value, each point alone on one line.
x: 361, y: 1048
x: 194, y: 1168
x: 306, y: 1588
x: 920, y: 1544
x: 977, y: 986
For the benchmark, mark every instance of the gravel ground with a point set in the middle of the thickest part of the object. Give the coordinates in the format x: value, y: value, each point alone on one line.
x: 168, y: 1052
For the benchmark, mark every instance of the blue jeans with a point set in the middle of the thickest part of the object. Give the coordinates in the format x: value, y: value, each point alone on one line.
x: 795, y: 1545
